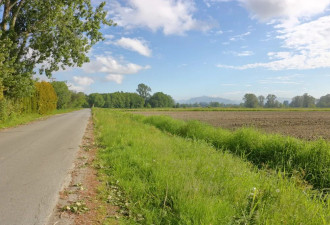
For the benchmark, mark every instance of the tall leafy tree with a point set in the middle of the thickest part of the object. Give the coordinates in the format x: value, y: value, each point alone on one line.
x: 261, y: 100
x: 324, y: 101
x: 53, y: 34
x: 271, y: 101
x: 63, y: 94
x: 250, y: 100
x: 144, y: 91
x: 159, y: 99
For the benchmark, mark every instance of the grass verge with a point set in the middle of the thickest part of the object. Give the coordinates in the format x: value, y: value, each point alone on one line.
x: 310, y: 160
x: 26, y: 118
x: 173, y: 180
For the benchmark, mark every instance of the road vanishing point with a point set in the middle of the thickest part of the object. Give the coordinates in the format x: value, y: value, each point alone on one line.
x: 35, y: 164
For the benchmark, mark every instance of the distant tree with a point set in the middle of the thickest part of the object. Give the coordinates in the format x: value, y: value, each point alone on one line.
x: 261, y: 100
x: 305, y: 101
x: 286, y: 103
x: 324, y: 101
x: 308, y: 101
x: 159, y: 100
x: 144, y: 91
x: 271, y: 101
x: 78, y: 100
x: 250, y: 100
x: 297, y: 101
x: 63, y: 94
x: 215, y: 104
x: 96, y: 100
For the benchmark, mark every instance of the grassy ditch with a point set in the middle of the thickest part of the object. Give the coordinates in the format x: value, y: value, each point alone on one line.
x: 173, y: 180
x: 309, y: 160
x: 26, y: 118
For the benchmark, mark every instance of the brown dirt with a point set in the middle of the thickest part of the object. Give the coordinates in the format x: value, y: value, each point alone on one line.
x: 308, y: 125
x: 83, y: 188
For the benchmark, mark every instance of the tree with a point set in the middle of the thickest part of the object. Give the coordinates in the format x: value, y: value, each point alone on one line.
x: 78, y: 100
x: 96, y: 100
x: 308, y: 101
x: 261, y: 100
x: 160, y: 100
x: 144, y: 91
x: 250, y: 100
x: 271, y: 101
x: 48, y: 33
x: 324, y: 101
x: 304, y: 101
x: 63, y: 94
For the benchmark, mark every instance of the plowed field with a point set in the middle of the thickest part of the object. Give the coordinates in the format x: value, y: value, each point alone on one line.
x: 309, y: 125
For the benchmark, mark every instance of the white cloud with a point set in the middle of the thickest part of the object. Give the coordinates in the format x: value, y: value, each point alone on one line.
x: 108, y: 64
x: 114, y: 68
x: 240, y: 54
x: 240, y: 36
x: 83, y: 81
x: 109, y: 36
x: 76, y: 88
x: 308, y: 46
x: 118, y: 78
x: 285, y: 9
x: 170, y: 16
x: 134, y: 45
x: 290, y: 79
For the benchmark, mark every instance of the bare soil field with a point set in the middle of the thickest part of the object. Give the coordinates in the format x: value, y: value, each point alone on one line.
x: 308, y: 125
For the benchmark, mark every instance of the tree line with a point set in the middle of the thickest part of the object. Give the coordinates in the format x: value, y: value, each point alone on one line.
x: 141, y: 99
x: 270, y: 101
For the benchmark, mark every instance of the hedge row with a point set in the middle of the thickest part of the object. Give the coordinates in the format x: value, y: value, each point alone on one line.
x: 42, y: 101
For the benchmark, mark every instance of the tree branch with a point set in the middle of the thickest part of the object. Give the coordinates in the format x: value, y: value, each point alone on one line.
x: 15, y: 14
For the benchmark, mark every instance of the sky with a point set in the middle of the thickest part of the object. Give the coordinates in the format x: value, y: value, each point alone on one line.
x: 217, y: 48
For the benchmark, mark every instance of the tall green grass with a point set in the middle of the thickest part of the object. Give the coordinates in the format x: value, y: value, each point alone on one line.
x: 310, y: 160
x: 173, y: 180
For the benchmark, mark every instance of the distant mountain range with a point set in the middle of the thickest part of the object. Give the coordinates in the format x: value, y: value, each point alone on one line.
x: 207, y: 99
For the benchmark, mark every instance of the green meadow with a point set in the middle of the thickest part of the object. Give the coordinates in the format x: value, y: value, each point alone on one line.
x: 170, y: 178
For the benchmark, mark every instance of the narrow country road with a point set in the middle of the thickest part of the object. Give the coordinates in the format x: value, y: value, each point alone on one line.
x: 35, y: 161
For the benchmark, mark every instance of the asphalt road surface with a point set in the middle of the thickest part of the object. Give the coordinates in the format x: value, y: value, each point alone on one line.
x: 35, y: 162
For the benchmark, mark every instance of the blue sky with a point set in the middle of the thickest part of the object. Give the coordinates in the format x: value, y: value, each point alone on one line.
x: 220, y: 48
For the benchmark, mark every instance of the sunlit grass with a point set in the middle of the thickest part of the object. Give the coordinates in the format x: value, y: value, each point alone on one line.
x: 309, y: 160
x: 173, y: 180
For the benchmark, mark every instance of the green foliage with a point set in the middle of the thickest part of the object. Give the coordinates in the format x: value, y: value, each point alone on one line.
x: 310, y: 159
x: 78, y: 100
x: 117, y: 100
x: 63, y: 94
x: 324, y: 101
x: 46, y: 97
x: 304, y: 101
x: 161, y: 100
x: 250, y: 101
x: 96, y: 100
x: 271, y: 101
x: 172, y: 180
x: 144, y: 91
x: 50, y: 33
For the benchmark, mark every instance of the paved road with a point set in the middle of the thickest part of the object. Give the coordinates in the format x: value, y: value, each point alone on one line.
x: 35, y: 161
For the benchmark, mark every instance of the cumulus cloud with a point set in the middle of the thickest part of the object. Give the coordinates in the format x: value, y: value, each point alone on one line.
x: 118, y: 78
x: 110, y: 65
x: 308, y: 44
x: 76, y: 88
x: 83, y: 81
x: 170, y: 16
x: 115, y: 69
x: 134, y: 45
x: 285, y: 9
